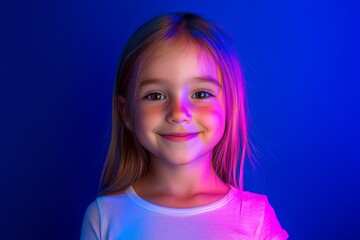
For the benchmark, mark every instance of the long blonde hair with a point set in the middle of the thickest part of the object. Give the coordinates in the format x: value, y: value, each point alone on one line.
x: 126, y: 160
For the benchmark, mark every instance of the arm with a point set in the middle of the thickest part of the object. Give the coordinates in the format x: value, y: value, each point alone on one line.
x: 90, y: 229
x: 270, y: 227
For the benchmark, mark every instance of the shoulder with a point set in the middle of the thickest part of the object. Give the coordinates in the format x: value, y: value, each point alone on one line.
x: 253, y: 202
x: 254, y: 197
x: 110, y: 203
x: 259, y: 212
x: 102, y: 204
x: 96, y: 207
x: 100, y: 213
x: 91, y: 223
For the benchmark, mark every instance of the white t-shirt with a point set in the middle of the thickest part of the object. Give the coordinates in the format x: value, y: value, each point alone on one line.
x: 238, y: 215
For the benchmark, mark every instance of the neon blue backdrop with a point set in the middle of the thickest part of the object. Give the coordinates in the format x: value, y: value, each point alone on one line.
x: 58, y: 61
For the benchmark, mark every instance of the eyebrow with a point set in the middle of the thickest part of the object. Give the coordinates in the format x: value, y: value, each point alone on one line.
x: 208, y: 79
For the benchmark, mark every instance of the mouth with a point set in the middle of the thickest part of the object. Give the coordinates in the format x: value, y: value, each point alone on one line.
x: 179, y: 137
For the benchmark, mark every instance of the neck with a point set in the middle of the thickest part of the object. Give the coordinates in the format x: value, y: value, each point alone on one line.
x: 182, y: 181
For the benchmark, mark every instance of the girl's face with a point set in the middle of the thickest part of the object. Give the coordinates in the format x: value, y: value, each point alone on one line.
x: 180, y: 108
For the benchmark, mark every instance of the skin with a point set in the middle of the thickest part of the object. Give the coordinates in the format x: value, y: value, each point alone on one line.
x: 180, y: 119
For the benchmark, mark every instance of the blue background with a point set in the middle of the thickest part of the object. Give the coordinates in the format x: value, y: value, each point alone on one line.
x: 58, y: 63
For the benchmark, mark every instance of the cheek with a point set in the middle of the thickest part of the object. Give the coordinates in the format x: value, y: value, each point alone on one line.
x: 147, y: 118
x: 213, y: 119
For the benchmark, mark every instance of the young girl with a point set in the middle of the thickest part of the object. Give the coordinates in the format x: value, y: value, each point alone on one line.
x: 174, y: 168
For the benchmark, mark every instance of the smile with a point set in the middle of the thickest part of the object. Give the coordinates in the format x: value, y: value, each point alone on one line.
x: 179, y: 137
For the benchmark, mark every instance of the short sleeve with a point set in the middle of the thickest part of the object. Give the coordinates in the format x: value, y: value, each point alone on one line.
x: 271, y: 228
x: 90, y: 229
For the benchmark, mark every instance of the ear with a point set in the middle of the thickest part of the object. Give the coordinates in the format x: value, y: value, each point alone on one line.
x: 122, y: 110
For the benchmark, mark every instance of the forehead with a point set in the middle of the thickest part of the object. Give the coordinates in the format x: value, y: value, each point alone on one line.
x: 180, y: 61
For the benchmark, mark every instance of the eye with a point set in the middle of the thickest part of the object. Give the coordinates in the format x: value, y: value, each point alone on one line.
x: 202, y: 95
x: 155, y: 96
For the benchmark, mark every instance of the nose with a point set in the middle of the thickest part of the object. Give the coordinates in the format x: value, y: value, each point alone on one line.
x: 179, y: 111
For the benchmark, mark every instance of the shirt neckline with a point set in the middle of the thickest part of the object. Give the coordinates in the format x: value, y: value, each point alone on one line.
x: 132, y: 195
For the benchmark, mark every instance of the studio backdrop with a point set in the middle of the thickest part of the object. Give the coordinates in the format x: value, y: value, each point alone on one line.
x: 58, y: 61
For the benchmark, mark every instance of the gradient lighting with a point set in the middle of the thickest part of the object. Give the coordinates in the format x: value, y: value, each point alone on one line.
x: 300, y: 59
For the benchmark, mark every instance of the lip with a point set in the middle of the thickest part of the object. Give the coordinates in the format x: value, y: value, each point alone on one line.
x: 179, y: 137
